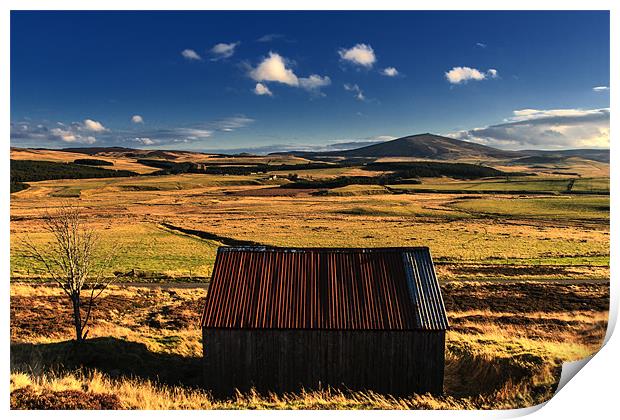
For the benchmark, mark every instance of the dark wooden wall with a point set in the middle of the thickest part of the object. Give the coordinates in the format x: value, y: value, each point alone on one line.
x: 399, y: 363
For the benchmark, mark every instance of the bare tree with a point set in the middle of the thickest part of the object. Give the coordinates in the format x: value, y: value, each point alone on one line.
x: 73, y: 259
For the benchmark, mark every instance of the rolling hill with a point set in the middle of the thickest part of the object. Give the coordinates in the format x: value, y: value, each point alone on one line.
x: 422, y: 146
x: 431, y: 146
x: 598, y: 155
x: 416, y: 147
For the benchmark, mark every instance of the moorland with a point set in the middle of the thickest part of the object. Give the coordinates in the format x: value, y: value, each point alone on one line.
x: 520, y: 241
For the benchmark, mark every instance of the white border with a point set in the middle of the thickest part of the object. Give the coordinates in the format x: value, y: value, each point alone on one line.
x: 590, y: 395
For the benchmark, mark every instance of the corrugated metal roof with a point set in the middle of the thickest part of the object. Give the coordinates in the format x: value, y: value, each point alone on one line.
x: 324, y: 288
x: 430, y: 311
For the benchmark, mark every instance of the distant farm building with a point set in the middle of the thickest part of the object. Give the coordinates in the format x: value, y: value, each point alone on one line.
x: 281, y: 319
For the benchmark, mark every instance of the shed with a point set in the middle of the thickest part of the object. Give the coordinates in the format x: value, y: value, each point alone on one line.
x: 282, y: 319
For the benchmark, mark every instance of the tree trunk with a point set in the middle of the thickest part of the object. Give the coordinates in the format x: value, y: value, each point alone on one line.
x: 77, y: 317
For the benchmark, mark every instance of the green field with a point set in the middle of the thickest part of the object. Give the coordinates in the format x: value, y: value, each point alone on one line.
x: 352, y: 190
x: 574, y: 207
x: 505, y: 229
x: 523, y: 266
x: 526, y: 185
x: 150, y: 251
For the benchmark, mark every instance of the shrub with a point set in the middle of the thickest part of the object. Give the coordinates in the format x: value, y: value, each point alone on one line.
x: 38, y: 170
x: 28, y: 399
x: 438, y: 169
x: 17, y: 186
x: 93, y: 162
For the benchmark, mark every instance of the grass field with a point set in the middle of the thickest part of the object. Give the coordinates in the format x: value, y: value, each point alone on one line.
x: 120, y: 163
x: 351, y: 190
x: 568, y: 229
x: 147, y: 249
x: 566, y: 207
x: 524, y: 268
x: 525, y: 185
x: 499, y: 355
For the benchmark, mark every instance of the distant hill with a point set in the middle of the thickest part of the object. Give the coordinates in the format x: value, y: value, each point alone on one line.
x: 127, y: 152
x: 422, y: 146
x: 98, y: 150
x: 431, y: 146
x: 419, y: 146
x: 599, y: 155
x: 538, y: 159
x: 23, y: 171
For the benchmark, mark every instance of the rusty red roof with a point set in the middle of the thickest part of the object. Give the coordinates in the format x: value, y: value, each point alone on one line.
x: 324, y: 288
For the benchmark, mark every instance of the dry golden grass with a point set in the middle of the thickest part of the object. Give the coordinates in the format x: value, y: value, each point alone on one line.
x: 583, y: 167
x: 146, y: 395
x: 145, y: 248
x: 489, y: 363
x: 506, y: 344
x: 120, y: 163
x: 210, y: 204
x: 244, y: 160
x: 221, y: 205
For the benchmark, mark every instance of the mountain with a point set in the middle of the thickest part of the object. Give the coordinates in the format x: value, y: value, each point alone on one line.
x: 429, y: 146
x: 419, y: 146
x: 423, y: 146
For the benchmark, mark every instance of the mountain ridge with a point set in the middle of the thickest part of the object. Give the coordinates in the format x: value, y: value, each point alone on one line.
x: 419, y: 146
x: 424, y: 146
x: 432, y: 146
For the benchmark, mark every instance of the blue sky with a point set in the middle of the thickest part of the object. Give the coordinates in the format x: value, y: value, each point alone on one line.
x: 264, y: 81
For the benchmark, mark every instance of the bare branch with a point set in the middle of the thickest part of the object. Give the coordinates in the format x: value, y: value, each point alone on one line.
x: 72, y: 259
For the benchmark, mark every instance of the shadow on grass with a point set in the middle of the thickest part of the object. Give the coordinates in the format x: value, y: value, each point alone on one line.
x: 112, y: 356
x: 516, y: 380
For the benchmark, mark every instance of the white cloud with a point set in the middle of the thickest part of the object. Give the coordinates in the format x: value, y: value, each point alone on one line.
x: 269, y: 37
x: 460, y: 75
x: 74, y: 131
x: 261, y: 89
x: 137, y: 119
x: 535, y: 114
x: 40, y: 135
x: 481, y: 44
x: 70, y: 136
x: 24, y: 131
x: 274, y: 69
x: 545, y: 129
x: 382, y: 138
x: 231, y: 123
x: 314, y: 82
x: 600, y: 88
x: 361, y: 55
x: 223, y: 50
x: 334, y: 145
x: 144, y: 140
x: 196, y: 133
x: 92, y: 125
x: 390, y: 72
x: 359, y: 94
x: 64, y: 135
x: 463, y: 74
x: 190, y: 54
